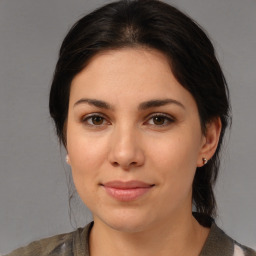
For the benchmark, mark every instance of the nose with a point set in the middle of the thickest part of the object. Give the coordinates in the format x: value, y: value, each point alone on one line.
x: 126, y: 150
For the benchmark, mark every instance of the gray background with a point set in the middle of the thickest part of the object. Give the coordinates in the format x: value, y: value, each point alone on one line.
x: 33, y: 186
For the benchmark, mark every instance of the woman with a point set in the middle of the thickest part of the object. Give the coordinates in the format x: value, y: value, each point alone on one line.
x: 141, y: 105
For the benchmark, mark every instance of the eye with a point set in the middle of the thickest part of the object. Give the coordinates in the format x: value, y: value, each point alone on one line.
x: 160, y: 120
x: 94, y: 120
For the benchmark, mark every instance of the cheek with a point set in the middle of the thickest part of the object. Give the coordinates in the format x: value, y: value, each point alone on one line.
x: 176, y: 151
x: 85, y: 151
x: 86, y: 155
x: 175, y: 166
x: 175, y: 159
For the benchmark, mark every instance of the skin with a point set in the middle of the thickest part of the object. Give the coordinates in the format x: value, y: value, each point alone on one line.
x: 127, y: 143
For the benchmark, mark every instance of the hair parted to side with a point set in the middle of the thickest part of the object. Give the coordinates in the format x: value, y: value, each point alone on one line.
x: 156, y: 25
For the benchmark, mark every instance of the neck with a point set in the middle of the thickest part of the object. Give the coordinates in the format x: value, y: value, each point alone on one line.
x: 185, y: 236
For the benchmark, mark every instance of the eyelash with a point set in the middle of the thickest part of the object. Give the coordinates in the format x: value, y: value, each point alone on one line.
x: 86, y: 118
x: 167, y: 119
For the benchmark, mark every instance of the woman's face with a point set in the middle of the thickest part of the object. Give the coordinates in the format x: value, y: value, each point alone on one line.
x: 134, y: 140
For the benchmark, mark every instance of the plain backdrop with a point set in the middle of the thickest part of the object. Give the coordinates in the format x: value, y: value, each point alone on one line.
x: 33, y: 186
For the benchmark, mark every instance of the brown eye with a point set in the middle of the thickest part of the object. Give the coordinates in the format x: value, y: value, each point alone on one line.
x: 159, y: 120
x: 94, y: 120
x: 97, y: 120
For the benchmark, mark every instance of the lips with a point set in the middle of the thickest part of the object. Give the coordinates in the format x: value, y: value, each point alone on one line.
x: 127, y: 191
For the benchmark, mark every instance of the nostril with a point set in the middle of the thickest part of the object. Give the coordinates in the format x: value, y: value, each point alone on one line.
x: 126, y: 167
x: 116, y: 164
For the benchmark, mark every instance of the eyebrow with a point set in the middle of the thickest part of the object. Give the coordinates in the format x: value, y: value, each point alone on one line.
x: 142, y: 106
x: 94, y: 102
x: 158, y: 103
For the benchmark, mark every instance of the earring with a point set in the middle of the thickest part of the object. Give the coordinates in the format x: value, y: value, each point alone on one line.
x: 67, y: 159
x: 204, y: 161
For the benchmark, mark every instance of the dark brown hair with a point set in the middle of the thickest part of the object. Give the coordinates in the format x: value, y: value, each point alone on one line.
x: 157, y: 25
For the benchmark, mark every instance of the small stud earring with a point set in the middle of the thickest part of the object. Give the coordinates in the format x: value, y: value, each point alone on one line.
x: 67, y: 159
x: 204, y: 161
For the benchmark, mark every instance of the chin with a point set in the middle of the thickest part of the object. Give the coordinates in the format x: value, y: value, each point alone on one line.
x: 127, y: 226
x: 126, y: 221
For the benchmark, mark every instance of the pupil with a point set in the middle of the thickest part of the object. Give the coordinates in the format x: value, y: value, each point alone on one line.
x: 97, y: 120
x: 159, y: 120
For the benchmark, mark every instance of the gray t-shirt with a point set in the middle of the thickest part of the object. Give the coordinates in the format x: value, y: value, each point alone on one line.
x: 77, y: 243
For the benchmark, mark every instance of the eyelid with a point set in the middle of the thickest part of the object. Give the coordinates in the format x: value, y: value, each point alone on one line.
x: 91, y: 115
x: 168, y: 117
x: 84, y: 118
x: 161, y: 114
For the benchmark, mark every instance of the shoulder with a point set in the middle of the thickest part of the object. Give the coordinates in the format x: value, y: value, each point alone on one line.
x: 241, y: 250
x: 219, y: 243
x: 73, y: 243
x: 56, y: 245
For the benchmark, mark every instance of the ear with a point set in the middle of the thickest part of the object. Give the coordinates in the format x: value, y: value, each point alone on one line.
x: 210, y: 141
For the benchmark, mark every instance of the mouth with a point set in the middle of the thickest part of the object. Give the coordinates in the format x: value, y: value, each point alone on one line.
x: 127, y: 191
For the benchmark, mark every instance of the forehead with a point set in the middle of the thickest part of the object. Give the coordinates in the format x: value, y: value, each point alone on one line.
x: 126, y: 61
x: 137, y: 74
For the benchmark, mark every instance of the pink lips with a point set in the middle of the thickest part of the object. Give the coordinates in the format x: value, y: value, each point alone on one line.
x: 126, y: 191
